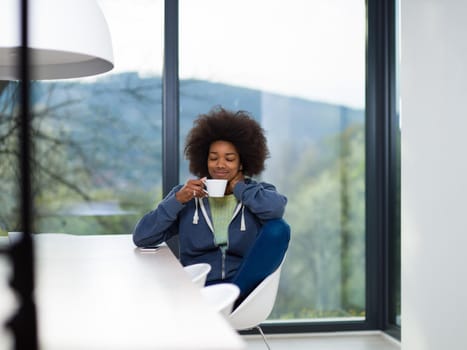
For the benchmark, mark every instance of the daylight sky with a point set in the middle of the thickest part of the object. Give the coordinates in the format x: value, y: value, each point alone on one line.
x: 305, y: 48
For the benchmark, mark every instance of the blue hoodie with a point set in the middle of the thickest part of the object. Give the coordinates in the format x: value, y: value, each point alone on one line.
x: 257, y: 203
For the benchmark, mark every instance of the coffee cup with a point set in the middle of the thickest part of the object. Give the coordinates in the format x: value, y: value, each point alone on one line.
x: 216, y: 187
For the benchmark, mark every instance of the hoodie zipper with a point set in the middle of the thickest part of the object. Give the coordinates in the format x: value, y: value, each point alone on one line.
x: 223, y: 249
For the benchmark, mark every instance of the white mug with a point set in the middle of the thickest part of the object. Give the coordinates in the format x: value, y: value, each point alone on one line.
x: 216, y: 187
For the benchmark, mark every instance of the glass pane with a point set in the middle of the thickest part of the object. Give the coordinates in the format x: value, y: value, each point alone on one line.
x: 299, y: 68
x: 98, y: 139
x: 9, y: 160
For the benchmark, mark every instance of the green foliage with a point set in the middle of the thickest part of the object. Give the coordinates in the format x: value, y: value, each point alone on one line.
x: 84, y: 150
x: 326, y: 273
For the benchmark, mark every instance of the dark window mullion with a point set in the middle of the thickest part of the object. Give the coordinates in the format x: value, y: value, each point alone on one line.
x: 170, y: 106
x: 170, y: 99
x: 379, y: 200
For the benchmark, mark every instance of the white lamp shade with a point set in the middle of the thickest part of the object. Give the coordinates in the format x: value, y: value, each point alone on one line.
x: 67, y: 39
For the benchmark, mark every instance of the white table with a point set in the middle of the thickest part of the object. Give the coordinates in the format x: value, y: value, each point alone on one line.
x: 100, y: 292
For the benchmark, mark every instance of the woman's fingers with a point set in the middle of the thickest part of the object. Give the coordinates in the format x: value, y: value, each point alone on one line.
x: 196, y: 188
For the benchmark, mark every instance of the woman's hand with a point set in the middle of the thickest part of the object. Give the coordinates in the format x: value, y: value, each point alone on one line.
x: 192, y: 188
x: 231, y: 184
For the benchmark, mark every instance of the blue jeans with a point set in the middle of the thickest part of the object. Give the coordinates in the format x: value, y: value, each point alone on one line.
x: 264, y: 257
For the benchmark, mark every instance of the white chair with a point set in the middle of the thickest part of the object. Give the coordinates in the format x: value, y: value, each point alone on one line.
x: 258, y: 305
x: 198, y: 273
x: 222, y: 296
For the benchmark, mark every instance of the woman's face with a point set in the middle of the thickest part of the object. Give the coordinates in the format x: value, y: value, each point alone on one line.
x: 223, y: 160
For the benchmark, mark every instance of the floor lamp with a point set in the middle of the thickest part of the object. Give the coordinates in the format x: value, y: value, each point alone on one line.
x: 43, y: 39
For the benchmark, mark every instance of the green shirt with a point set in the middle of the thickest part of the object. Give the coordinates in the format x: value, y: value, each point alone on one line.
x: 222, y: 209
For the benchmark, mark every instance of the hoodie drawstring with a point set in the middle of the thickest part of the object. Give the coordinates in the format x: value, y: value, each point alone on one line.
x: 195, y: 215
x: 242, y: 221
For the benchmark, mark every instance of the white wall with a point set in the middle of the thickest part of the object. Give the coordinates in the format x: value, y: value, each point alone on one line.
x: 434, y: 174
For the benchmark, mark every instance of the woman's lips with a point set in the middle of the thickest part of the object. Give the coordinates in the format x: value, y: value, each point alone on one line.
x: 220, y: 174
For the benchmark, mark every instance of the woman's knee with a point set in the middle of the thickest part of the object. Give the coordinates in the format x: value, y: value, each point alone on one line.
x: 277, y: 230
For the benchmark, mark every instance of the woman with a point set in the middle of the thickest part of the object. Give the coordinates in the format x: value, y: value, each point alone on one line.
x: 241, y: 235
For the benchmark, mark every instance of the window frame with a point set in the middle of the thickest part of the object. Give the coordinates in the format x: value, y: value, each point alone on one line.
x: 380, y: 201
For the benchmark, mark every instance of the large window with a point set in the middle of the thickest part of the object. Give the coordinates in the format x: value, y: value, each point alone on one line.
x: 300, y: 70
x: 97, y: 140
x: 315, y: 74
